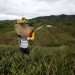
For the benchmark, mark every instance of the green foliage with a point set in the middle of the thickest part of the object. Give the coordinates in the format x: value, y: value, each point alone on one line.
x: 55, y: 20
x: 61, y: 32
x: 52, y: 51
x: 41, y: 61
x: 6, y: 26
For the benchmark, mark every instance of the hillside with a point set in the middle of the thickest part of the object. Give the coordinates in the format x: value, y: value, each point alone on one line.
x: 62, y: 31
x: 52, y: 51
x: 7, y: 33
x: 55, y: 20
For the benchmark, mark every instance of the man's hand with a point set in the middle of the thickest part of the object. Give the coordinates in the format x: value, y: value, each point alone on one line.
x: 31, y: 38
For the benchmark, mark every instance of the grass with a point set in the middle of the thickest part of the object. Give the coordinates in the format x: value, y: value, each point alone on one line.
x: 53, y: 55
x: 41, y: 61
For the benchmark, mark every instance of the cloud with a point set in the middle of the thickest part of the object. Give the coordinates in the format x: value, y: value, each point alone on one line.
x: 56, y: 8
x: 9, y: 17
x: 34, y: 8
x: 49, y: 1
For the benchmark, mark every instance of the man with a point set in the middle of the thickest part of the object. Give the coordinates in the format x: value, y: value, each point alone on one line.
x: 25, y: 33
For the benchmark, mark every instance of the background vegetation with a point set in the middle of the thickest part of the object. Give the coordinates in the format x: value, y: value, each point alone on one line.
x: 52, y: 51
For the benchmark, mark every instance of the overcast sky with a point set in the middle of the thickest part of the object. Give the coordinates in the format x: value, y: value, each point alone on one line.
x: 11, y: 9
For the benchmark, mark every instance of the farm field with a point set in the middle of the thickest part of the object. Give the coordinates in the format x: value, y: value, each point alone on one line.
x: 41, y: 61
x: 52, y: 51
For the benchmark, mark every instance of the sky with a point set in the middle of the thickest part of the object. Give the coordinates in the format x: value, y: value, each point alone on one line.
x: 14, y: 9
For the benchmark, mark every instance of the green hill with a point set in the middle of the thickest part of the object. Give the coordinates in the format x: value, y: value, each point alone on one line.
x: 55, y: 20
x: 61, y: 32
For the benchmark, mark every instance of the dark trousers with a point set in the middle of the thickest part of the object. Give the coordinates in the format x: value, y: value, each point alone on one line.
x: 25, y: 50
